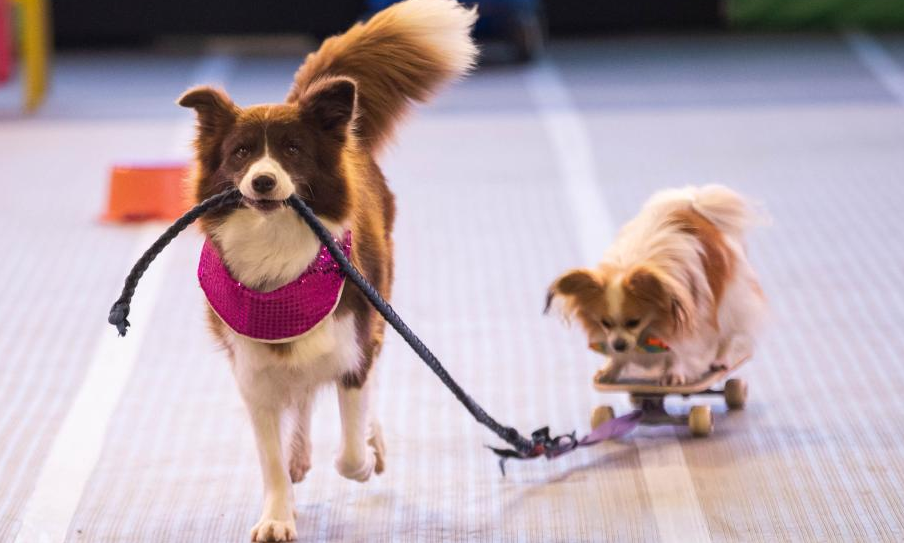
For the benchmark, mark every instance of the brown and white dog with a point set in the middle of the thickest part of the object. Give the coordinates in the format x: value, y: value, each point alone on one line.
x: 677, y: 272
x: 343, y: 107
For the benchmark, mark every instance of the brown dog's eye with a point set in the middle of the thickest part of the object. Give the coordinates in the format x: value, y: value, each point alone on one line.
x: 241, y: 151
x: 292, y: 148
x: 606, y: 323
x: 633, y: 323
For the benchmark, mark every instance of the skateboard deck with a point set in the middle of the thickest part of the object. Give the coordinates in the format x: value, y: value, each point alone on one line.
x: 644, y: 386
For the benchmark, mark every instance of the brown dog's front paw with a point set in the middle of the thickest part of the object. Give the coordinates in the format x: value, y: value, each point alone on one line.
x: 355, y: 468
x: 274, y: 530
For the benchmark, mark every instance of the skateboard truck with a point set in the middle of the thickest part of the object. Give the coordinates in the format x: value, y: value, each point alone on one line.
x: 649, y: 399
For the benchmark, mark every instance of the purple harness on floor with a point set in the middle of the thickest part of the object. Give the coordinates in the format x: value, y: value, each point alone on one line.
x: 280, y: 315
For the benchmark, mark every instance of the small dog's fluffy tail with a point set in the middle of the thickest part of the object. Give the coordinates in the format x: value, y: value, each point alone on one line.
x: 729, y: 211
x: 725, y: 208
x: 402, y: 54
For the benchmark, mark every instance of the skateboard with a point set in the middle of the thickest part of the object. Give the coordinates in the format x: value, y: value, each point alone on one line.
x: 649, y: 397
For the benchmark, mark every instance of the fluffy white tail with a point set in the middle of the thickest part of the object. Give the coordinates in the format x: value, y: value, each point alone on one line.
x: 729, y: 211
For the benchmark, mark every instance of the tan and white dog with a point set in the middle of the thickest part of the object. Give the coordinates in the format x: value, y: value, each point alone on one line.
x: 677, y: 272
x: 344, y: 105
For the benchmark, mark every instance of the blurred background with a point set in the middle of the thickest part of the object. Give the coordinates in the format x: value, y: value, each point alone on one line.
x: 579, y: 111
x: 32, y: 30
x: 107, y: 22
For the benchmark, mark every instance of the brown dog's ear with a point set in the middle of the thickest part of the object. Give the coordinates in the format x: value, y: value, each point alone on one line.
x: 673, y: 301
x: 576, y: 284
x: 215, y: 109
x: 330, y: 103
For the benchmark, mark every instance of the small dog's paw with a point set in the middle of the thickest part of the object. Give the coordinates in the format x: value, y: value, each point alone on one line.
x: 355, y: 469
x: 274, y: 530
x: 609, y: 374
x: 672, y: 379
x: 718, y: 366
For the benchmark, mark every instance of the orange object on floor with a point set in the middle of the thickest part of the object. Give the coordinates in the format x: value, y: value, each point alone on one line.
x: 146, y: 192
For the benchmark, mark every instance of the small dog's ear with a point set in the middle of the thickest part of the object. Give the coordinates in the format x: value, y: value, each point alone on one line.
x: 643, y: 283
x: 576, y: 284
x: 330, y: 103
x: 214, y: 107
x: 673, y: 301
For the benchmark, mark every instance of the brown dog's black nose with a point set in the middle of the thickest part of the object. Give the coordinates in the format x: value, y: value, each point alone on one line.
x: 263, y: 184
x: 620, y: 345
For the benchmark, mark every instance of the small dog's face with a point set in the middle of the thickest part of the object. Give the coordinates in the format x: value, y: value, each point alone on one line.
x: 273, y: 151
x: 617, y: 307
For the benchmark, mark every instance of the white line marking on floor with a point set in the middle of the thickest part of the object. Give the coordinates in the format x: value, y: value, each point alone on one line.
x: 78, y: 444
x: 670, y: 489
x: 878, y: 61
x: 668, y: 481
x: 571, y: 145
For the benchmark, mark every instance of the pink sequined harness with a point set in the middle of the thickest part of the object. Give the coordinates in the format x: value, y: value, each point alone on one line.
x: 280, y: 315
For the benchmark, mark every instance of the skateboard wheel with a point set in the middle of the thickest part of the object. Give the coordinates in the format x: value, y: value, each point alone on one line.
x: 735, y: 393
x: 700, y: 421
x: 601, y: 414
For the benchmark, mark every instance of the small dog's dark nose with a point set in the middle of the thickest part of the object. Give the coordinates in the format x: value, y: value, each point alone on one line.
x: 263, y: 184
x: 620, y: 345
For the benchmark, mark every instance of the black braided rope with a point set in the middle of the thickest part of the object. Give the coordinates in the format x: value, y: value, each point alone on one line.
x: 506, y: 433
x: 524, y: 447
x: 119, y: 313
